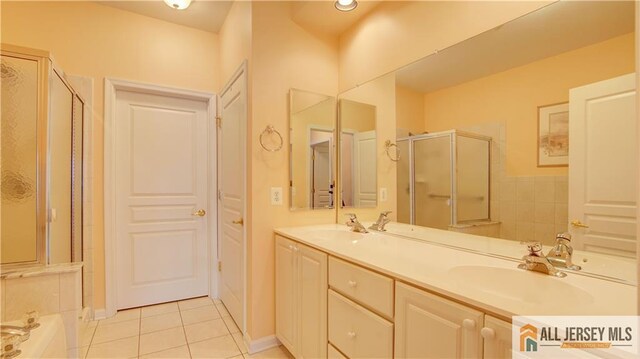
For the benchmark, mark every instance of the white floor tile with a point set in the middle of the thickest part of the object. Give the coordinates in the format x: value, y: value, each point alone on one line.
x: 194, y: 303
x: 86, y: 336
x: 160, y: 322
x: 199, y: 314
x: 221, y: 347
x: 231, y: 325
x: 222, y: 310
x: 162, y: 340
x: 121, y: 348
x: 205, y: 330
x: 177, y: 353
x: 237, y: 337
x: 119, y: 330
x: 273, y: 353
x: 121, y: 316
x: 159, y: 309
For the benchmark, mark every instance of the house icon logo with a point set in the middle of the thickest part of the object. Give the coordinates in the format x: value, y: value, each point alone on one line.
x: 528, y: 338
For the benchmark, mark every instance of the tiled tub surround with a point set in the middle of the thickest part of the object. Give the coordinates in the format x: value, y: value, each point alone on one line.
x: 48, y: 290
x: 528, y: 207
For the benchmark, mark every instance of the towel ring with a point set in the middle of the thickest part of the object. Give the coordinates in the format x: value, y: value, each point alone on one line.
x: 269, y: 130
x: 387, y: 146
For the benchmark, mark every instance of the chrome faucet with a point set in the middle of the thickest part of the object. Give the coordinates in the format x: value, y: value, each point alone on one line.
x: 382, y: 221
x: 14, y: 330
x: 354, y: 224
x: 561, y: 253
x: 536, y: 261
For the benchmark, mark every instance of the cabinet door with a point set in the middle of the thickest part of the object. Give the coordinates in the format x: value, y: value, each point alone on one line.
x: 286, y: 293
x: 428, y: 326
x: 312, y: 289
x: 497, y: 338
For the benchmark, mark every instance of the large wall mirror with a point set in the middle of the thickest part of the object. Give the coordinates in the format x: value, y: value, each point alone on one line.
x: 312, y: 119
x: 491, y: 138
x: 42, y: 121
x: 358, y: 154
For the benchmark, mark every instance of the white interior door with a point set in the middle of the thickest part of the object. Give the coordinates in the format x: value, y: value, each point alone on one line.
x: 161, y: 181
x: 231, y: 178
x: 321, y: 178
x: 364, y: 169
x: 603, y: 177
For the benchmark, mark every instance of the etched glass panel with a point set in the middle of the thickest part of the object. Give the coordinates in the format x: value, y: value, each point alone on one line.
x: 18, y: 159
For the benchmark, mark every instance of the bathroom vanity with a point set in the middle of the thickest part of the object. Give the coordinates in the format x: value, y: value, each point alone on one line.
x: 342, y: 294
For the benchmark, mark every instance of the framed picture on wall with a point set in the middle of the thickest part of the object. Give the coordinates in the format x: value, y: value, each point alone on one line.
x: 553, y: 135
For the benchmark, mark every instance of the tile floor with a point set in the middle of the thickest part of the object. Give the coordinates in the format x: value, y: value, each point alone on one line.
x: 193, y: 328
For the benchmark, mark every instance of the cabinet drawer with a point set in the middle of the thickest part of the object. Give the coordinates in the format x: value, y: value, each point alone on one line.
x: 369, y: 288
x: 356, y: 331
x: 333, y: 353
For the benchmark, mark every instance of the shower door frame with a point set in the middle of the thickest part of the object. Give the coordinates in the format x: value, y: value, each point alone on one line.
x: 453, y: 169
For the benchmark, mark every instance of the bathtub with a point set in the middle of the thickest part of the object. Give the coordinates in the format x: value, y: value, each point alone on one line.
x: 46, y: 341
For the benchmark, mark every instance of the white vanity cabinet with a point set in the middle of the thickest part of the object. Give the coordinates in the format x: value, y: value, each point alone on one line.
x: 327, y: 307
x: 497, y: 338
x: 428, y: 326
x: 301, y: 299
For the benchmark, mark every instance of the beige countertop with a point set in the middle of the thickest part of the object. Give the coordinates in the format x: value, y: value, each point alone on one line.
x: 490, y: 283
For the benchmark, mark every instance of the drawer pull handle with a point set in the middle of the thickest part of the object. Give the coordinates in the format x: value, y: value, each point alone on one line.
x: 488, y: 333
x: 353, y: 283
x: 469, y: 323
x: 351, y: 335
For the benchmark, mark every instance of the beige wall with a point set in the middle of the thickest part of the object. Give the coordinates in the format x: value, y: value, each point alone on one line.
x: 284, y: 56
x: 235, y: 40
x: 98, y: 41
x: 397, y: 33
x: 513, y: 96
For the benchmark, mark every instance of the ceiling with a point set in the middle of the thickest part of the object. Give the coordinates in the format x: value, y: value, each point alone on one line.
x: 317, y: 16
x: 323, y: 18
x: 552, y: 30
x: 207, y: 15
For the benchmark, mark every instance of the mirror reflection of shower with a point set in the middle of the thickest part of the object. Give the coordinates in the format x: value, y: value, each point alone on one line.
x: 443, y: 179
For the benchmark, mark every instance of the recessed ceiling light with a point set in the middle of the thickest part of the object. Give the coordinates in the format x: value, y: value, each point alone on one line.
x: 346, y: 5
x: 178, y: 4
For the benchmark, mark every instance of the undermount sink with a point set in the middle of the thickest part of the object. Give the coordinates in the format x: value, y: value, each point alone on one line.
x: 519, y: 285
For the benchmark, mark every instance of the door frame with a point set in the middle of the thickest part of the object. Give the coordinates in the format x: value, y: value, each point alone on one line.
x: 242, y: 69
x: 111, y: 86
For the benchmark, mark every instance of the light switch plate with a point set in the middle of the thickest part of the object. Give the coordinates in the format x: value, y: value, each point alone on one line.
x: 383, y: 194
x: 276, y: 196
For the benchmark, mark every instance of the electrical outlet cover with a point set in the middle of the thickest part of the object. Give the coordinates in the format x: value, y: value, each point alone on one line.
x: 276, y: 196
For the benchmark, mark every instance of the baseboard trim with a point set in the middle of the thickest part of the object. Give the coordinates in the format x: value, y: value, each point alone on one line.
x: 258, y: 345
x: 99, y: 314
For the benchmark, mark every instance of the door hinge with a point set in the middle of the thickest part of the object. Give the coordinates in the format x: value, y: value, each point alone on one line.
x: 219, y: 266
x: 219, y: 195
x: 219, y: 121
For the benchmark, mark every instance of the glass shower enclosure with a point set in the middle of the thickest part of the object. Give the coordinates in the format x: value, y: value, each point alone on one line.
x: 443, y: 179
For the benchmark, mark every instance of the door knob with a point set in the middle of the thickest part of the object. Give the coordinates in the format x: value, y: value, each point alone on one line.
x: 577, y: 223
x: 200, y: 213
x: 240, y: 222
